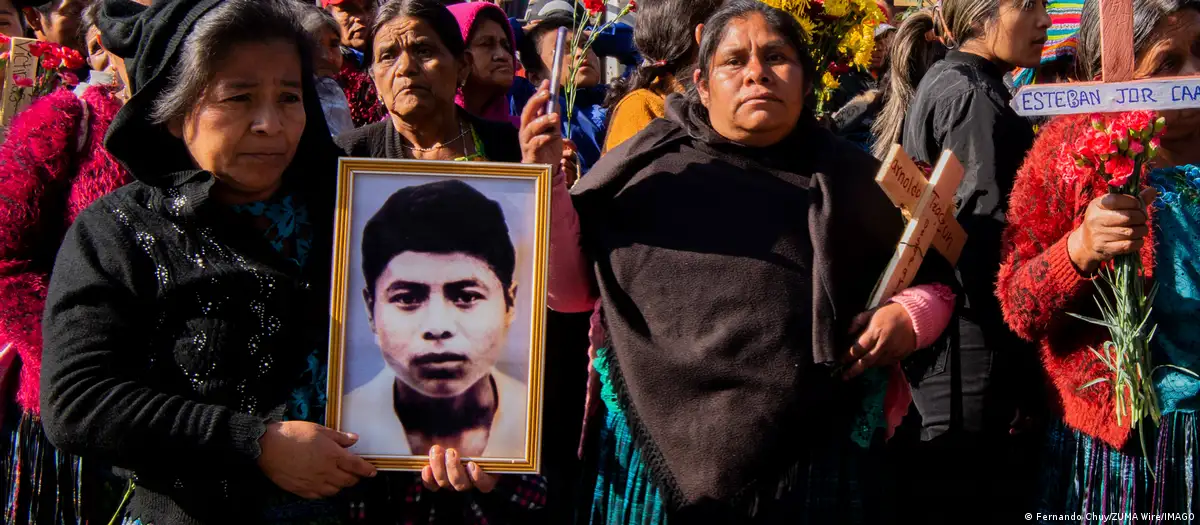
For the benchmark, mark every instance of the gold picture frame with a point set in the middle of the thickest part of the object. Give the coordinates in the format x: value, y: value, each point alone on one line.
x: 358, y: 171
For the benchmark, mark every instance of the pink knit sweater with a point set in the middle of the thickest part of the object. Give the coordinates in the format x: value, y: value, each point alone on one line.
x: 47, y: 176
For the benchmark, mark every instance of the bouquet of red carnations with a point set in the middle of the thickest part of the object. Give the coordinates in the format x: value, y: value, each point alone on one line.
x: 1119, y: 147
x: 55, y: 65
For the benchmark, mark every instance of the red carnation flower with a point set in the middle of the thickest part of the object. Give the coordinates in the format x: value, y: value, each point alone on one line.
x: 1136, y: 122
x: 594, y: 6
x: 51, y: 61
x: 69, y: 78
x: 1120, y: 169
x: 22, y: 81
x: 4, y: 40
x: 632, y: 6
x: 71, y: 58
x: 1101, y: 143
x: 37, y: 48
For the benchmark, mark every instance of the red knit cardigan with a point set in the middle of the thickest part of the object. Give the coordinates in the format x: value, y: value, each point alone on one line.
x: 365, y: 106
x: 45, y: 181
x: 1038, y: 284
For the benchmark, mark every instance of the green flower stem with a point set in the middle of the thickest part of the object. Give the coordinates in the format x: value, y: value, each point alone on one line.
x: 571, y: 88
x: 1125, y: 308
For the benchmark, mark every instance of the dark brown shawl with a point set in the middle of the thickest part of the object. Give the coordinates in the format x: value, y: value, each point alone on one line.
x: 730, y: 276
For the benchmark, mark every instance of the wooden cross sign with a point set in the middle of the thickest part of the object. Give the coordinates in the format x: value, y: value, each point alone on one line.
x: 20, y: 62
x: 929, y: 206
x: 1118, y: 91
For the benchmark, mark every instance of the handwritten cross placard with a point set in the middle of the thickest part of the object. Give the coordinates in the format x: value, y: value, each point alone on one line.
x: 21, y: 62
x: 905, y: 183
x: 1118, y: 92
x: 929, y: 205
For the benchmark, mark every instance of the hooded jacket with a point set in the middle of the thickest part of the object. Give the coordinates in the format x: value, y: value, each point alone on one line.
x: 173, y: 330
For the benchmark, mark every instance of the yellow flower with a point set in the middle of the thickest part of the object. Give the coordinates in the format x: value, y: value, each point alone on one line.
x: 809, y: 27
x: 863, y: 44
x: 850, y: 42
x: 828, y: 82
x: 795, y: 7
x: 838, y: 8
x: 862, y: 58
x: 869, y: 9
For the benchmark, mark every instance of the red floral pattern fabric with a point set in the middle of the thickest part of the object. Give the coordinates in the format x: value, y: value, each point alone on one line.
x: 365, y: 106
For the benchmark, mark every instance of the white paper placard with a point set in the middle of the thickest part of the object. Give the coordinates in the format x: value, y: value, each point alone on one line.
x: 1067, y: 99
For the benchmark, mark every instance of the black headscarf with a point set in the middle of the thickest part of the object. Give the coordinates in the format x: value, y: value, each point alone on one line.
x: 150, y: 39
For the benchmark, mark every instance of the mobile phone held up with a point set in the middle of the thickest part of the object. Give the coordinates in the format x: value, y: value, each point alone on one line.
x: 560, y: 43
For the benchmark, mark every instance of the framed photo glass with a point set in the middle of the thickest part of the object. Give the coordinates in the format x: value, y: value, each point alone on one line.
x: 438, y: 311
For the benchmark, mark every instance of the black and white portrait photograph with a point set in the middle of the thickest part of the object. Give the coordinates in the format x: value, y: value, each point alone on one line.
x: 440, y: 308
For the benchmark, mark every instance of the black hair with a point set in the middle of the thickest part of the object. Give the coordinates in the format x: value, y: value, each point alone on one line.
x: 665, y: 35
x: 90, y: 16
x: 717, y: 25
x: 440, y: 217
x: 1146, y: 16
x: 314, y: 19
x: 231, y: 23
x: 48, y: 9
x: 432, y: 12
x: 954, y: 23
x: 44, y: 10
x: 528, y: 48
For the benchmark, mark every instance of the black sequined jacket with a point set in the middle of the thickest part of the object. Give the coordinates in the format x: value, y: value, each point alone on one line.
x: 173, y: 330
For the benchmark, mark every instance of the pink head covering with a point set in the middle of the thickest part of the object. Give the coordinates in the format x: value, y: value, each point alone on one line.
x: 466, y: 14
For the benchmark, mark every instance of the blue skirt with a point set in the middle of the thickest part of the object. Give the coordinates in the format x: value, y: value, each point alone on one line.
x: 842, y: 482
x: 1087, y: 477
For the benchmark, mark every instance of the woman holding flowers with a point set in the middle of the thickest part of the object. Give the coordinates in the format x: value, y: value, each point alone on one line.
x: 716, y: 242
x: 947, y: 92
x: 52, y: 166
x: 1066, y: 224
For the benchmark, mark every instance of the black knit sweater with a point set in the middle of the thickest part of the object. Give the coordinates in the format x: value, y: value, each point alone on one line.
x: 173, y: 330
x: 173, y: 333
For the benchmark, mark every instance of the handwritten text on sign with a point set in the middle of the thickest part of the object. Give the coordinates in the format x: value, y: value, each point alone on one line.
x: 904, y: 183
x: 20, y: 62
x: 1065, y: 99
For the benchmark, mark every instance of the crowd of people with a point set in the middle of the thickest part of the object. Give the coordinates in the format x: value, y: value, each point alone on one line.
x: 166, y: 239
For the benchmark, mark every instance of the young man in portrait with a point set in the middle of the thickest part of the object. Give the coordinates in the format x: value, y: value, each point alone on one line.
x: 438, y: 265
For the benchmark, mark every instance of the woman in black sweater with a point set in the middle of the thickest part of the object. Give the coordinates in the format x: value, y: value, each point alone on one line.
x: 947, y: 92
x: 186, y: 335
x: 184, y: 306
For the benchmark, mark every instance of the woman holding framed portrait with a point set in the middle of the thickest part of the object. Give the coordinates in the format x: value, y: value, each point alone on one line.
x: 441, y: 283
x: 184, y: 306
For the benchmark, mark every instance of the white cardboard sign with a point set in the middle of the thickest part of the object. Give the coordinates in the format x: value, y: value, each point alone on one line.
x: 1067, y: 99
